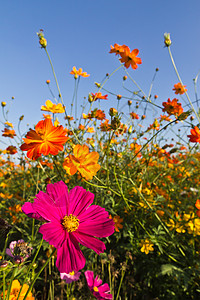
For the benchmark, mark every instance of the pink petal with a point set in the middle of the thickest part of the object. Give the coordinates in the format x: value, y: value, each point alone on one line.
x: 90, y: 242
x: 95, y: 222
x: 47, y: 209
x: 69, y: 256
x: 27, y: 208
x: 58, y: 193
x: 53, y: 233
x: 89, y: 275
x: 80, y: 199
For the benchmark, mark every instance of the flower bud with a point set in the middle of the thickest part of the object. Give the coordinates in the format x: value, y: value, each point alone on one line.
x: 3, y: 103
x: 124, y: 77
x: 129, y: 102
x: 113, y: 112
x: 47, y: 81
x: 119, y: 97
x: 90, y: 98
x: 98, y: 84
x: 21, y: 118
x: 167, y: 39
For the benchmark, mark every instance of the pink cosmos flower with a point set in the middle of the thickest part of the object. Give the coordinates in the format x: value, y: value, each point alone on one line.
x: 72, y: 276
x: 95, y: 285
x: 70, y: 219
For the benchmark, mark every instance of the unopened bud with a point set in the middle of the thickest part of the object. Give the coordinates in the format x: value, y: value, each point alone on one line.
x: 90, y: 98
x: 21, y: 118
x: 112, y: 112
x: 98, y: 84
x: 3, y: 103
x: 167, y: 39
x: 124, y: 77
x: 129, y: 102
x: 119, y: 97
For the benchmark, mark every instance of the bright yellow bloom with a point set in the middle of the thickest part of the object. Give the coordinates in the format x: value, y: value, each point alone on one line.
x: 146, y: 246
x: 14, y: 292
x: 8, y: 124
x: 78, y: 73
x: 83, y: 161
x: 54, y: 108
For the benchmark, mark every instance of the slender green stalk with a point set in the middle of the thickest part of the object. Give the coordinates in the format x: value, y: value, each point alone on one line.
x: 38, y: 274
x: 179, y: 78
x: 30, y: 267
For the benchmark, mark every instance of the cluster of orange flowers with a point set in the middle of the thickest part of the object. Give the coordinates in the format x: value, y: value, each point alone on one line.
x: 129, y: 58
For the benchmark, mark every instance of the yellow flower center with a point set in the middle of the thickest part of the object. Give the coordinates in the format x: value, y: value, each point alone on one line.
x: 72, y: 273
x: 70, y: 223
x: 95, y: 289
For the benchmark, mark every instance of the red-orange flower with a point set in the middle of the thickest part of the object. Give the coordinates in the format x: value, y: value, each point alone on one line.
x: 8, y: 133
x: 83, y: 161
x: 78, y: 72
x: 172, y: 107
x: 179, y: 89
x: 195, y: 135
x: 45, y: 139
x: 130, y: 58
x: 11, y: 149
x: 99, y: 96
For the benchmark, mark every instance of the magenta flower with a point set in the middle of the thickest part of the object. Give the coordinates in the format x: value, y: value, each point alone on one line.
x: 70, y: 219
x: 72, y: 276
x: 95, y: 285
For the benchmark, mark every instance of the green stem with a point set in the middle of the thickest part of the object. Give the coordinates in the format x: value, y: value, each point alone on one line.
x: 38, y: 274
x: 30, y: 267
x: 179, y: 78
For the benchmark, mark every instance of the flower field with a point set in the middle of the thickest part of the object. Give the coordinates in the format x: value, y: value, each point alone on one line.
x: 102, y: 203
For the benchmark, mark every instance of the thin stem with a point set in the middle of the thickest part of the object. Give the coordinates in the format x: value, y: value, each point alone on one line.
x: 179, y: 78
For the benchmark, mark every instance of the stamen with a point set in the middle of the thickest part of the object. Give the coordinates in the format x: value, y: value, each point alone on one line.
x: 70, y: 223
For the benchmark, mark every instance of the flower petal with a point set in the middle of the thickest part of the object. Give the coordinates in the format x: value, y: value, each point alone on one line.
x: 80, y: 199
x: 90, y: 242
x: 53, y: 233
x: 69, y: 256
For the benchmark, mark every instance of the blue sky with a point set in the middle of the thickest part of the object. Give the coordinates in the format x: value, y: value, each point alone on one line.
x: 79, y: 33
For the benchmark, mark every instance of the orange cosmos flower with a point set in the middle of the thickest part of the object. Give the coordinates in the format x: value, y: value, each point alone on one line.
x: 83, y: 161
x: 195, y: 135
x: 8, y: 133
x: 179, y: 89
x: 134, y: 116
x: 117, y: 220
x: 54, y: 108
x: 117, y: 49
x: 172, y: 107
x: 8, y: 124
x: 78, y: 72
x: 45, y: 139
x: 99, y: 96
x: 130, y: 59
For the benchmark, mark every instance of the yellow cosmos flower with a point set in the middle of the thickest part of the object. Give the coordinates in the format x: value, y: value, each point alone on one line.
x: 54, y: 108
x: 146, y: 246
x: 15, y: 288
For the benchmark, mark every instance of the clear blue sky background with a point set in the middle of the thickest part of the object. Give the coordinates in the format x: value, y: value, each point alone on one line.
x: 79, y: 33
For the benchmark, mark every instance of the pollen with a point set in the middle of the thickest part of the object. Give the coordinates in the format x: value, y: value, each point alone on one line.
x: 95, y: 289
x: 70, y: 223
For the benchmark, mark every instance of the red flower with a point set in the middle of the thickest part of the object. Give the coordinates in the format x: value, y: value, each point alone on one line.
x: 195, y: 135
x: 45, y: 139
